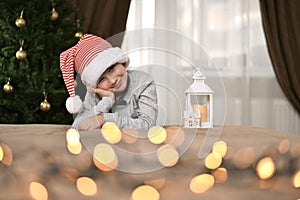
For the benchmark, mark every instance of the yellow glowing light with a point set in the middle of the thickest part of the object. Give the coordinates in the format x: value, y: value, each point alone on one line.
x: 74, y: 148
x: 104, y: 153
x: 244, y: 158
x: 106, y: 167
x: 129, y: 135
x: 296, y: 179
x: 38, y: 191
x: 167, y: 155
x: 1, y: 153
x: 220, y: 147
x: 156, y: 183
x: 220, y: 175
x: 111, y: 132
x: 157, y: 134
x: 72, y: 136
x: 213, y: 160
x: 145, y: 192
x: 265, y: 168
x: 7, y: 158
x: 86, y: 186
x: 284, y: 146
x: 201, y: 183
x: 175, y: 135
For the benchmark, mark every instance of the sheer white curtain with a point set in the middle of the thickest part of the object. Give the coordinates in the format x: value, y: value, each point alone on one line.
x: 231, y: 33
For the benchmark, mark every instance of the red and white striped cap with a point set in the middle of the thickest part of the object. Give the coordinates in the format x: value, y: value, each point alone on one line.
x: 90, y: 57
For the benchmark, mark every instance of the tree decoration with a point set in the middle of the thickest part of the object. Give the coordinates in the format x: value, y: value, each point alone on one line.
x: 30, y: 57
x: 54, y: 14
x: 79, y: 33
x: 45, y: 105
x: 20, y: 22
x: 21, y: 54
x: 8, y: 88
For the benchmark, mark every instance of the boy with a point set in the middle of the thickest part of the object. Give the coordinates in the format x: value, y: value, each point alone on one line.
x: 114, y: 94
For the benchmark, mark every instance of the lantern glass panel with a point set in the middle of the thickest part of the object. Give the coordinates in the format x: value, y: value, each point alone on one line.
x: 200, y: 106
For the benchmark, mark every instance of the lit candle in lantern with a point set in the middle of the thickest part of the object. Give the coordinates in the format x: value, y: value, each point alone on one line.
x: 199, y: 103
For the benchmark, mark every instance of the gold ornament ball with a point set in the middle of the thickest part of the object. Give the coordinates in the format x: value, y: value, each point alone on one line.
x: 21, y: 54
x: 78, y: 34
x: 54, y: 15
x: 20, y: 22
x: 45, y: 106
x: 8, y: 88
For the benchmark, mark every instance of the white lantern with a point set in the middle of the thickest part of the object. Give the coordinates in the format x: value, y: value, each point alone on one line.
x: 199, y: 103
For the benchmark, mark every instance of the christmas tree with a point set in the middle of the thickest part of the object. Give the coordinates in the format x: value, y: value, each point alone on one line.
x: 33, y: 34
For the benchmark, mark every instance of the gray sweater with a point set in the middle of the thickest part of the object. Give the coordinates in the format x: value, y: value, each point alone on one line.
x: 135, y: 107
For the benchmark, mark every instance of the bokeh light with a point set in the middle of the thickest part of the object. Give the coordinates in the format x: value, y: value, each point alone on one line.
x: 167, y: 155
x: 296, y: 179
x: 220, y: 147
x: 111, y: 132
x: 213, y: 160
x: 72, y: 137
x: 106, y: 167
x: 220, y: 175
x: 7, y: 157
x: 157, y: 134
x: 284, y: 146
x: 201, y: 183
x: 265, y: 168
x: 86, y: 186
x: 105, y: 155
x: 38, y: 191
x: 244, y: 158
x: 74, y: 148
x: 1, y: 153
x: 145, y: 192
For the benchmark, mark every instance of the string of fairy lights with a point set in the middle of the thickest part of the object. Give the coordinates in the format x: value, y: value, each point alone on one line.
x: 221, y: 159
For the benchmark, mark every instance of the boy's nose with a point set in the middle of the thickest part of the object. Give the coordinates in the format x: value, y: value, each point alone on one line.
x: 112, y: 80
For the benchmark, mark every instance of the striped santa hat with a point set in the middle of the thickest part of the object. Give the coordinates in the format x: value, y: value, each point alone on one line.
x: 90, y: 57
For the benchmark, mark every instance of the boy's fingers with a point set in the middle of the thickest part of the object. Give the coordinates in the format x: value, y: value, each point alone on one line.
x: 90, y: 89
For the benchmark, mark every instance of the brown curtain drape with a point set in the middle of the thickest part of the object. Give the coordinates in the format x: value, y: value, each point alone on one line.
x: 104, y: 18
x: 281, y: 23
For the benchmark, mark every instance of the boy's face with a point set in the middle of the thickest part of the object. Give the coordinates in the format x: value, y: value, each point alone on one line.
x: 114, y: 79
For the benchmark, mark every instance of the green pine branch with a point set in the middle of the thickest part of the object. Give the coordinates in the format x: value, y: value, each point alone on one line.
x: 44, y: 40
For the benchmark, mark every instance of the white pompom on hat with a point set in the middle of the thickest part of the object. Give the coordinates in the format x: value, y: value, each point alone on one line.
x: 90, y: 57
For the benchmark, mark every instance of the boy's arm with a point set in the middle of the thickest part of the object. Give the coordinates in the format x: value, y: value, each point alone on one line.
x: 146, y: 113
x: 92, y: 108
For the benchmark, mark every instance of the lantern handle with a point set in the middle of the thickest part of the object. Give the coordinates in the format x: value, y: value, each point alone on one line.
x: 198, y: 73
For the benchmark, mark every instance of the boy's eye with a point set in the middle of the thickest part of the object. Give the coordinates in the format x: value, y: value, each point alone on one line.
x: 110, y: 69
x: 100, y: 80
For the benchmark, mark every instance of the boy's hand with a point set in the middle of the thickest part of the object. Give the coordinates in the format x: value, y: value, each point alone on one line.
x: 100, y: 92
x: 91, y: 123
